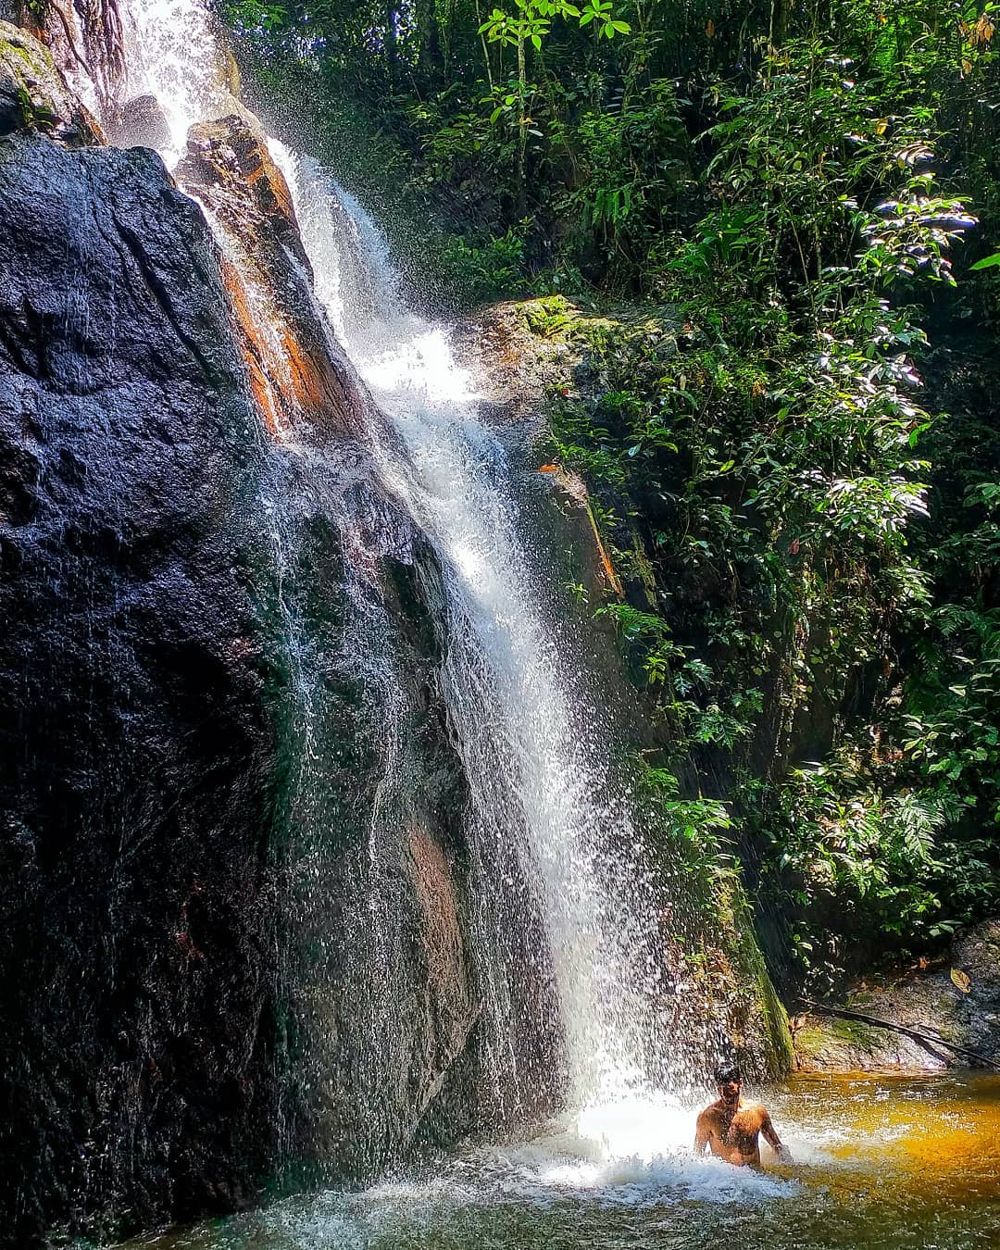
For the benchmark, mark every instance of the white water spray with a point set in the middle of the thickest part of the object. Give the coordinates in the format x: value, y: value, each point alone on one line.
x: 534, y: 755
x: 545, y: 810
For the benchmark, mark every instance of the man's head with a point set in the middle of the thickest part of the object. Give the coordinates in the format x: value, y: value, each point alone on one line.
x: 729, y: 1081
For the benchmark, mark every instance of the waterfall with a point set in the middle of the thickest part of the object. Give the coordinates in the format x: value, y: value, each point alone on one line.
x: 558, y: 871
x: 534, y: 751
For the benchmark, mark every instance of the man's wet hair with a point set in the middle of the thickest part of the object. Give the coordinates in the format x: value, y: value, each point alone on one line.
x: 726, y: 1072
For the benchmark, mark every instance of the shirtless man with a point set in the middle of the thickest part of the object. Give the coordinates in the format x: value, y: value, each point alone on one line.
x: 730, y: 1127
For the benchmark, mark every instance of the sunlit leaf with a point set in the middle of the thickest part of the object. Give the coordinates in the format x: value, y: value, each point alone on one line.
x: 961, y: 979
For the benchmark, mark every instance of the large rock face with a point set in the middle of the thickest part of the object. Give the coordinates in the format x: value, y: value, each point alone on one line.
x: 188, y: 764
x: 719, y: 998
x: 136, y: 749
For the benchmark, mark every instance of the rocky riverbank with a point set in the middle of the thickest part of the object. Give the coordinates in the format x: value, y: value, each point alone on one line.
x: 955, y: 1000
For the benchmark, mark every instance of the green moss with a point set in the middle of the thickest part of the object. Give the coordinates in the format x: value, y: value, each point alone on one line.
x: 811, y: 1040
x: 834, y: 1034
x: 851, y: 1031
x: 30, y: 67
x: 549, y: 316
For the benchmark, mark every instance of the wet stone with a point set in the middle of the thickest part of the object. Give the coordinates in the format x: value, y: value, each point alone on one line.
x: 140, y: 122
x: 34, y: 96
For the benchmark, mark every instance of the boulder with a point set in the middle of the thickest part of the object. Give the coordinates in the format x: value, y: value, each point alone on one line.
x: 230, y: 939
x: 139, y: 122
x: 956, y: 1001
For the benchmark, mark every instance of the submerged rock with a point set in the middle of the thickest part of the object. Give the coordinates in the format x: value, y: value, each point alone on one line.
x: 957, y: 1000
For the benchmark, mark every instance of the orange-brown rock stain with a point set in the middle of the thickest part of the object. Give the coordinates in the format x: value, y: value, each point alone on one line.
x: 441, y: 932
x: 253, y: 350
x: 299, y: 377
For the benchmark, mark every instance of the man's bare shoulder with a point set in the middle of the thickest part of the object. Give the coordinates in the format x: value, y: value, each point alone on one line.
x: 755, y: 1111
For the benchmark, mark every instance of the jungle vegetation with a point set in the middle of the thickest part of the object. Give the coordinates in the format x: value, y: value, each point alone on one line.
x: 773, y: 230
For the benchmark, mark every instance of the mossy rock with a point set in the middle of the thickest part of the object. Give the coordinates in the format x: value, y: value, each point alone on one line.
x: 549, y: 316
x: 34, y: 97
x: 924, y: 1008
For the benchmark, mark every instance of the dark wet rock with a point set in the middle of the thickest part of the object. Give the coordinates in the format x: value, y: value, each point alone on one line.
x: 447, y: 1002
x: 194, y: 991
x: 963, y: 1009
x: 135, y: 743
x: 139, y: 122
x: 382, y: 985
x: 33, y: 93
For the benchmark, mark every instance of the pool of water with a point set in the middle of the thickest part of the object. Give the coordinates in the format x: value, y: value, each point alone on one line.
x: 880, y: 1162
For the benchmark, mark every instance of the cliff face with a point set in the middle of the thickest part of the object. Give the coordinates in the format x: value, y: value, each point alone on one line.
x: 136, y: 747
x: 152, y: 831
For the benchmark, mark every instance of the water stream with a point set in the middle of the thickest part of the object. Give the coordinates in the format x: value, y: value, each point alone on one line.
x: 531, y: 746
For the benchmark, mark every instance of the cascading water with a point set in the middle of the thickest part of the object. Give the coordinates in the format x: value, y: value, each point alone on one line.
x: 558, y: 878
x: 463, y: 870
x: 532, y: 749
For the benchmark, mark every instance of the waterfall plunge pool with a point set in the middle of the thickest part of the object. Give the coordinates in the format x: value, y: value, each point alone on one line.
x: 882, y: 1163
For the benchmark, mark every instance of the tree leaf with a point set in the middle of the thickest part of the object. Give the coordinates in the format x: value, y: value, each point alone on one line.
x: 961, y: 979
x: 988, y: 262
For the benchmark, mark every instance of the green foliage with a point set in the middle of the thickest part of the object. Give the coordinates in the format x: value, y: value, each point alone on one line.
x: 531, y: 21
x: 699, y: 828
x: 770, y: 448
x: 485, y: 270
x: 808, y: 545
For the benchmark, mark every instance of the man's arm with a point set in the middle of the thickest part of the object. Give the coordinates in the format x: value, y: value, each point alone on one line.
x: 702, y: 1133
x: 773, y: 1140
